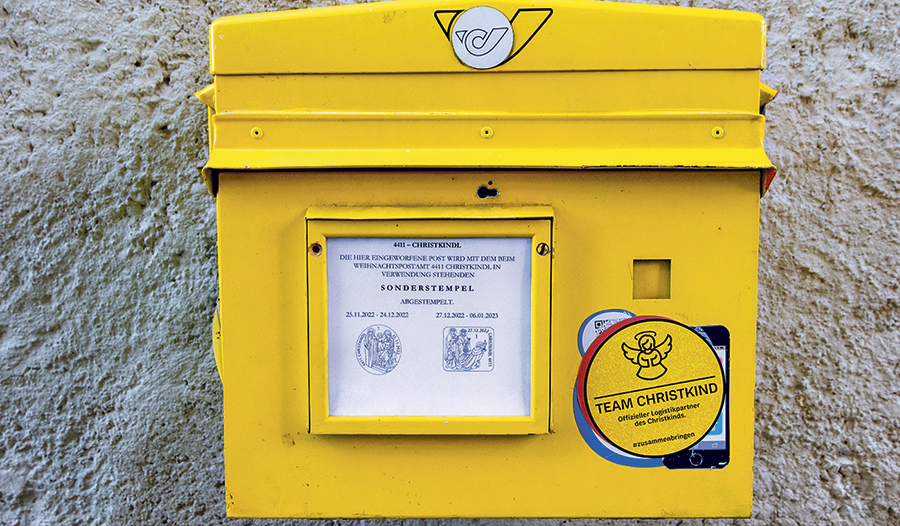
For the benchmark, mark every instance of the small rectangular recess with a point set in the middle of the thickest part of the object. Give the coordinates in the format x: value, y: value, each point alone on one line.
x: 652, y: 279
x: 440, y: 316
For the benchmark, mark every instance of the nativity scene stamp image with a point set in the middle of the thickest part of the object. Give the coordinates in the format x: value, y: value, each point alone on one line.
x: 378, y: 349
x: 468, y: 349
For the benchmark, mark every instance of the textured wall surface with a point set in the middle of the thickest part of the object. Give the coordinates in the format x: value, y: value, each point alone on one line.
x: 110, y: 405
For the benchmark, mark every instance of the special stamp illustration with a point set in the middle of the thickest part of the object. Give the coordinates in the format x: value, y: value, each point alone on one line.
x: 378, y: 349
x: 468, y: 349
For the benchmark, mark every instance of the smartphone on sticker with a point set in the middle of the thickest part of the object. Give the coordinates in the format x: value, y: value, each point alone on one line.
x: 713, y: 451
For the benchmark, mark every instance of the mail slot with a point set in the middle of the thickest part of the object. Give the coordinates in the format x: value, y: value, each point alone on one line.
x: 489, y: 260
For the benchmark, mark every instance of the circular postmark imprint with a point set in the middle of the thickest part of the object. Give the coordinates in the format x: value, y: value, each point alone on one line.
x: 651, y: 386
x: 378, y: 349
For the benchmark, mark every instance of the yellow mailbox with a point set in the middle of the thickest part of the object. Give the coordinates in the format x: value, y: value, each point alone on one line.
x: 487, y: 260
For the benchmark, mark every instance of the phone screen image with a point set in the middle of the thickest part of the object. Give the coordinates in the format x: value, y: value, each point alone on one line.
x: 713, y: 450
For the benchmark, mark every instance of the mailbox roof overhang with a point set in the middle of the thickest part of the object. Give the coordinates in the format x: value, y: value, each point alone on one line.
x: 588, y: 85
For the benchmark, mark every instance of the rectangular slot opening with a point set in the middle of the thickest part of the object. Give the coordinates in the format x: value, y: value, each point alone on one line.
x: 652, y: 279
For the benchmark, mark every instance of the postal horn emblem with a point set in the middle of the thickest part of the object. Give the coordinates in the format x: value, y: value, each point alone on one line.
x: 483, y: 38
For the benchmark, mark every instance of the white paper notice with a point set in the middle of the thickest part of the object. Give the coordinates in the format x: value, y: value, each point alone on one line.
x: 429, y: 327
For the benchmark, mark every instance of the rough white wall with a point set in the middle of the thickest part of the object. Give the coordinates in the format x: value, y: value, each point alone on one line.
x: 110, y: 406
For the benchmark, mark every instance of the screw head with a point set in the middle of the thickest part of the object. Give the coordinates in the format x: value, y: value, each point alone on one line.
x: 542, y: 249
x: 315, y: 249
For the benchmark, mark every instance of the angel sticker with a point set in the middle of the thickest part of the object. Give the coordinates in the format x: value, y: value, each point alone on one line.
x: 649, y: 355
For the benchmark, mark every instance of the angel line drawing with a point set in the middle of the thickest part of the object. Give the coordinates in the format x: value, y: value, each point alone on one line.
x: 649, y: 355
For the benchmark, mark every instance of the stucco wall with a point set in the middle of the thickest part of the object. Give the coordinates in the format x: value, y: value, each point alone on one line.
x: 110, y: 406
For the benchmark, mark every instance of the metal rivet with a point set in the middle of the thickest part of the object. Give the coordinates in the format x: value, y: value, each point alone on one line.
x: 487, y: 132
x: 718, y: 132
x: 315, y: 249
x: 542, y: 249
x: 256, y: 133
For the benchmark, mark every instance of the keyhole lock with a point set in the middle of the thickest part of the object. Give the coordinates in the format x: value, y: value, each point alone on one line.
x: 485, y: 191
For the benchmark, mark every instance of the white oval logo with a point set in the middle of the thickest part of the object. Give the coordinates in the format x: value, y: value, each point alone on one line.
x: 482, y: 37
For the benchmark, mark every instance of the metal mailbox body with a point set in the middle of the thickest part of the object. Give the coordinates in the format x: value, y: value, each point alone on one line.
x: 608, y: 134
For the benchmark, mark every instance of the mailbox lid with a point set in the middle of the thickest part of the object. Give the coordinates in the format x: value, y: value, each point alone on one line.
x: 586, y: 85
x: 411, y: 37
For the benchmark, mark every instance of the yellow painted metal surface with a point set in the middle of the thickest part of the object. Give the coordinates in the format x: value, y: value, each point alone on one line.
x: 652, y: 279
x: 595, y: 85
x: 705, y: 222
x: 217, y: 341
x: 766, y: 94
x: 615, y: 134
x: 399, y: 37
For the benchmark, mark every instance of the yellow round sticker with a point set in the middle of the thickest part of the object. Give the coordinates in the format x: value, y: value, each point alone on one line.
x: 651, y: 386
